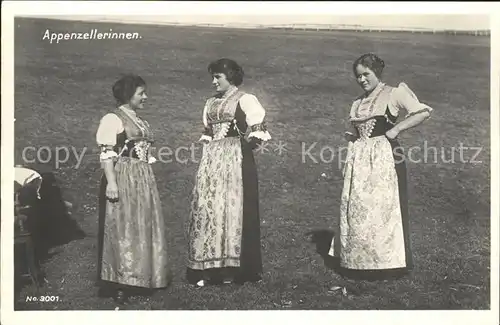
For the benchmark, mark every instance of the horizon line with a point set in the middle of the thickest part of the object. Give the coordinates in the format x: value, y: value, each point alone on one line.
x: 318, y: 26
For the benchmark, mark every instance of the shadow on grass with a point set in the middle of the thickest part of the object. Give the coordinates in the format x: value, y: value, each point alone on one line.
x: 322, y: 238
x: 55, y: 225
x: 49, y: 223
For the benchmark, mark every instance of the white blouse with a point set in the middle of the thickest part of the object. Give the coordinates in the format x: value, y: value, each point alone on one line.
x: 254, y: 113
x: 401, y: 98
x: 109, y: 127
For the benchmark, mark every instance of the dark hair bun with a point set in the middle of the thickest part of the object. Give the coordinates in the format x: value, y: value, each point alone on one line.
x: 371, y: 61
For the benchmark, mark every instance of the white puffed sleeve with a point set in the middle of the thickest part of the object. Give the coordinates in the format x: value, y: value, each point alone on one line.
x: 403, y: 98
x: 352, y: 114
x: 207, y: 133
x: 255, y: 114
x: 109, y: 127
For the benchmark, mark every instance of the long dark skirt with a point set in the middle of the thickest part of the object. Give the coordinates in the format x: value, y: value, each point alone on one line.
x: 250, y: 259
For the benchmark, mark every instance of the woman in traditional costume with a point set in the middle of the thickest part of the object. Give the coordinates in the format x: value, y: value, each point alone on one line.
x: 374, y: 239
x: 224, y: 226
x: 132, y: 236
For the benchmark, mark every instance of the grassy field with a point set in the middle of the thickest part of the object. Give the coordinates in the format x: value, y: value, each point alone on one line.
x: 304, y: 80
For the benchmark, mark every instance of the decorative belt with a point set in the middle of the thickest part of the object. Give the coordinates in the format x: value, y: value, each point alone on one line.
x: 136, y: 150
x: 374, y: 128
x: 379, y: 130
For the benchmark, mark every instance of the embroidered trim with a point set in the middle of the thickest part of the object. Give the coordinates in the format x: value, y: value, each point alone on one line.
x: 262, y: 135
x: 356, y: 117
x: 205, y: 137
x: 365, y: 129
x: 221, y: 130
x: 140, y: 123
x: 108, y: 154
x: 389, y: 120
x: 142, y: 150
x: 425, y: 109
x: 221, y: 110
x: 259, y: 127
x: 129, y: 120
x: 139, y: 138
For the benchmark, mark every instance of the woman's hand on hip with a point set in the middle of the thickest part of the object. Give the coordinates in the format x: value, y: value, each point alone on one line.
x: 392, y: 133
x: 112, y: 192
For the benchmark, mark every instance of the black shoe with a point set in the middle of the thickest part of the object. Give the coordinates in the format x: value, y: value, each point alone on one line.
x: 215, y: 281
x: 254, y: 278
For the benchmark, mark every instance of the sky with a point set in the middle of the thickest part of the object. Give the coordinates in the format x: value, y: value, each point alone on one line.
x: 436, y: 21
